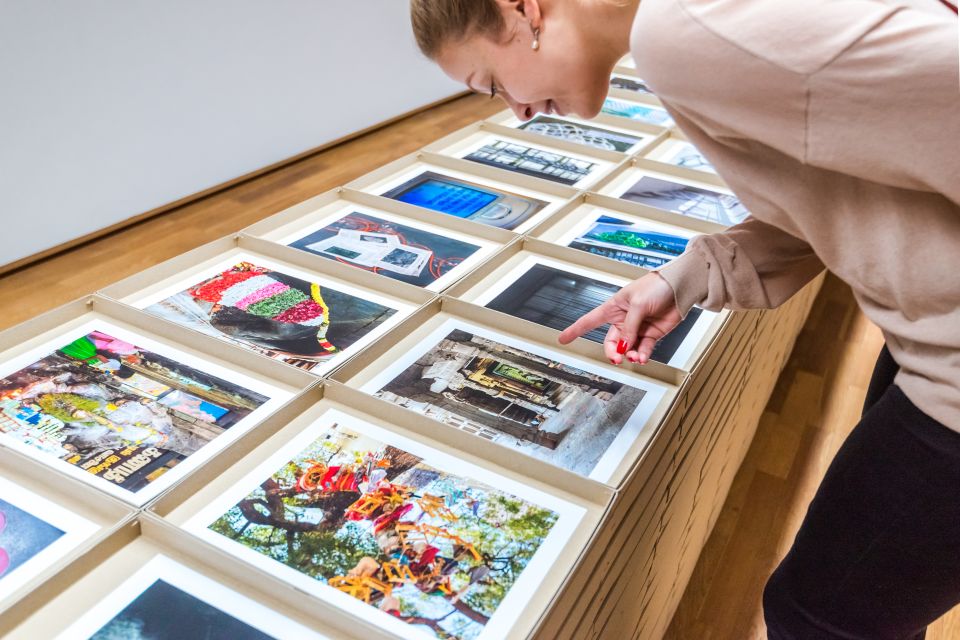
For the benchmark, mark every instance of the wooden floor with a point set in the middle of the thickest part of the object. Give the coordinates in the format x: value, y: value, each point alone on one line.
x: 815, y: 405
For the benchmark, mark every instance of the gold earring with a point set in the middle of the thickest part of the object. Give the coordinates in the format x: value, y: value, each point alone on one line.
x: 536, y: 40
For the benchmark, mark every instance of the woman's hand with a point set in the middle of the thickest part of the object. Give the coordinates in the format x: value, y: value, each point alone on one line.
x: 639, y: 314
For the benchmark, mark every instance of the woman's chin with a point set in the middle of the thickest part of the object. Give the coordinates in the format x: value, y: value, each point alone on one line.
x: 592, y: 104
x: 587, y: 111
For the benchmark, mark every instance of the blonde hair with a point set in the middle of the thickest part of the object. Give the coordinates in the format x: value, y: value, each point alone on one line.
x: 438, y: 22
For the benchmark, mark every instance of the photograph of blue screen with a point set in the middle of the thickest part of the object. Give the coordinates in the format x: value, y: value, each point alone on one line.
x: 630, y: 242
x: 466, y: 200
x: 580, y: 134
x: 530, y: 161
x: 556, y: 298
x: 641, y: 112
x: 687, y: 200
x: 458, y: 200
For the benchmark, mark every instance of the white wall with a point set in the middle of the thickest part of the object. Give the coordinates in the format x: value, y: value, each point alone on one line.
x: 109, y: 108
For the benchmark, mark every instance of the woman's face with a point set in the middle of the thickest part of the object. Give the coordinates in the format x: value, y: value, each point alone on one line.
x: 566, y: 75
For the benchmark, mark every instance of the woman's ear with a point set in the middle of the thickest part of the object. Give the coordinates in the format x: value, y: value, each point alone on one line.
x: 523, y: 10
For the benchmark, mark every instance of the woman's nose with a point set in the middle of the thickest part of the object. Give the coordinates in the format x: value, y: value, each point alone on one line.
x: 524, y: 111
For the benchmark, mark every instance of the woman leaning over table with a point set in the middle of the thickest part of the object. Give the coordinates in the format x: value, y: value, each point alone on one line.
x: 837, y: 123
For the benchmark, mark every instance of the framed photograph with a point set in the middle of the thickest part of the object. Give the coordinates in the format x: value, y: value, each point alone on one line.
x: 417, y: 541
x: 686, y: 199
x: 626, y: 83
x: 542, y: 402
x: 35, y: 534
x: 124, y: 413
x: 585, y: 133
x: 681, y: 153
x: 645, y: 244
x: 533, y: 161
x: 553, y: 294
x: 400, y: 249
x: 691, y: 198
x: 164, y: 600
x: 280, y: 312
x: 467, y: 199
x: 519, y: 156
x: 636, y: 111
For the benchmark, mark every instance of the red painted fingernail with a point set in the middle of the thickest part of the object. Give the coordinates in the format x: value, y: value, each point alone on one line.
x: 621, y: 347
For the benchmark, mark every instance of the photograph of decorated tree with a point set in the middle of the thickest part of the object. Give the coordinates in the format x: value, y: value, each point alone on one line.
x: 435, y: 550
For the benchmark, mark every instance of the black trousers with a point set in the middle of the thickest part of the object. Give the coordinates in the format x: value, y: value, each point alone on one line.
x: 878, y: 554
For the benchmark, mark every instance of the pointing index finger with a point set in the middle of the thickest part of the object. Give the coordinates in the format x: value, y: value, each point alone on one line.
x: 587, y: 322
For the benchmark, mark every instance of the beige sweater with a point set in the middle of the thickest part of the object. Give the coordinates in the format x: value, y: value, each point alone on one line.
x: 837, y: 123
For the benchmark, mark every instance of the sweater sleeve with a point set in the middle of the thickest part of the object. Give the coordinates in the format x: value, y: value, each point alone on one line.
x: 752, y: 265
x: 887, y: 108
